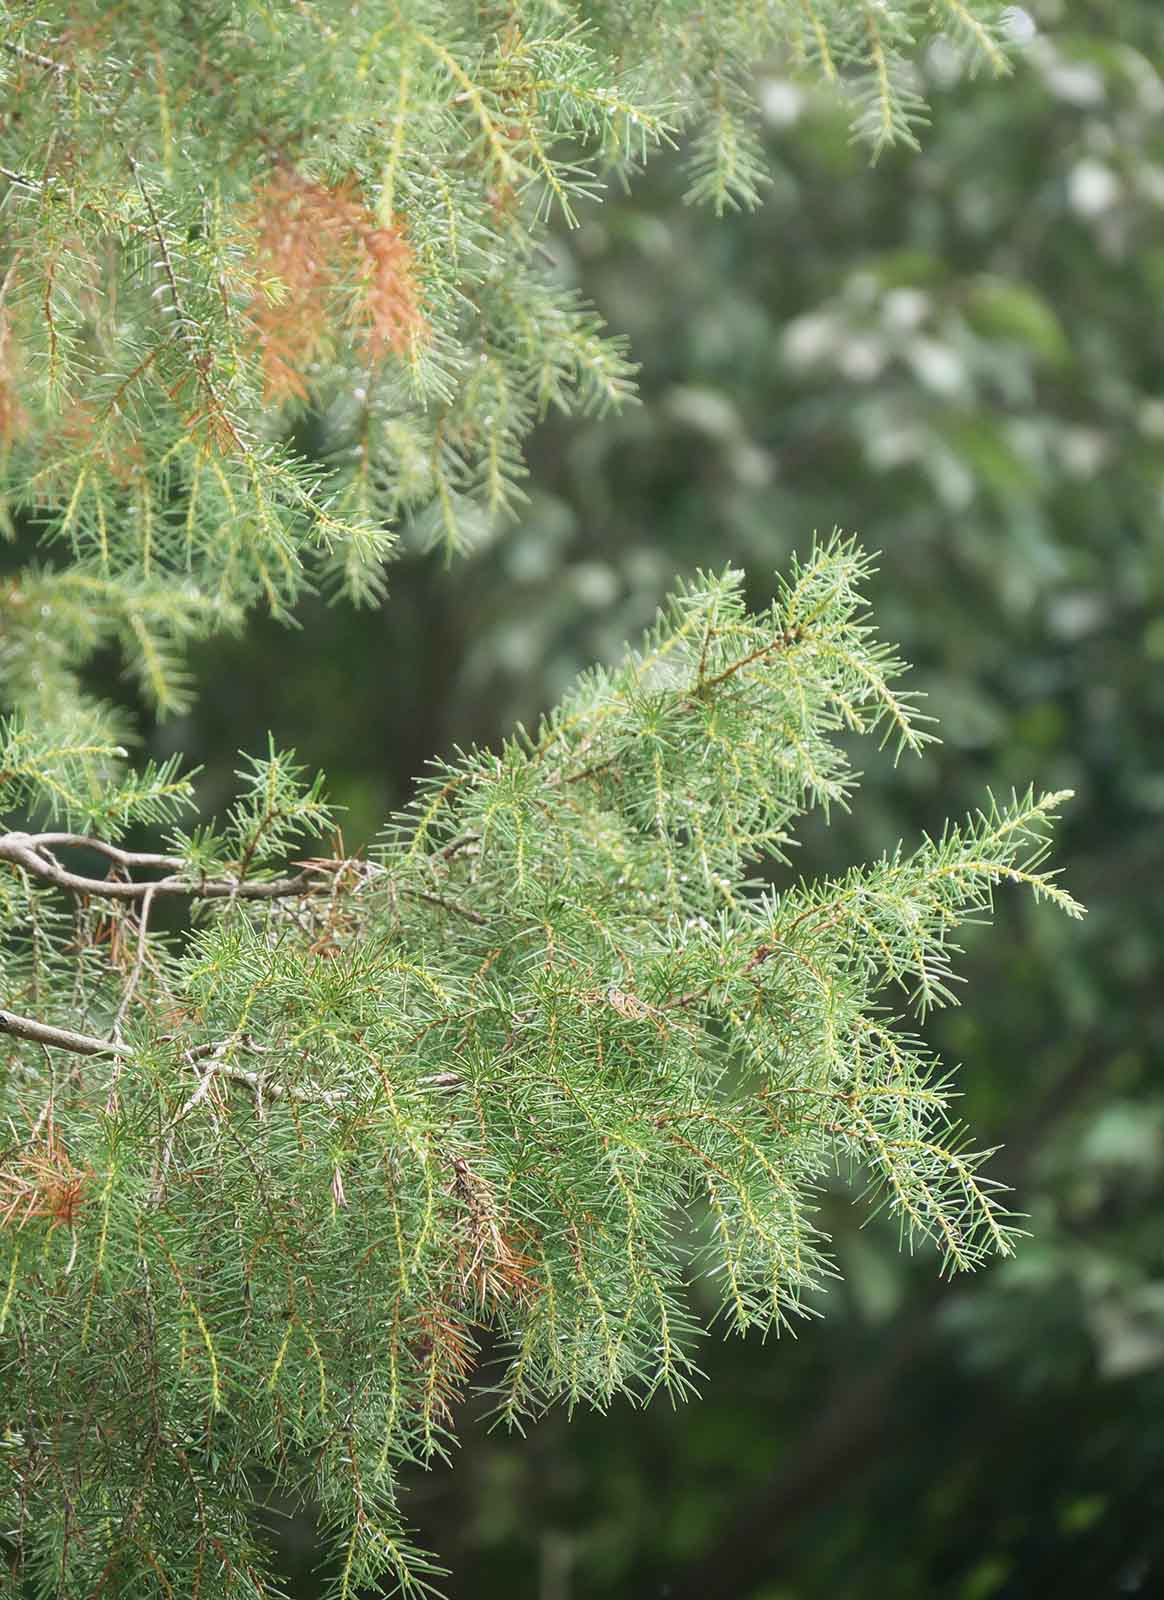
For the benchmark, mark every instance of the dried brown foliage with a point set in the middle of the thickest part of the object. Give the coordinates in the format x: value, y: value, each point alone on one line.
x: 340, y: 272
x: 490, y: 1261
x: 40, y: 1180
x: 446, y: 1352
x: 489, y: 1268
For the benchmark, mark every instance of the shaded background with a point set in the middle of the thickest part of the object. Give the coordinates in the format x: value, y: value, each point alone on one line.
x: 960, y: 356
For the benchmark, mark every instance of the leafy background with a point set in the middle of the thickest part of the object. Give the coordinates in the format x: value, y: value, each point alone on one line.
x: 960, y: 356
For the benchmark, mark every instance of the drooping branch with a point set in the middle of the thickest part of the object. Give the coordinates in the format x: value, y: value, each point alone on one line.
x: 226, y: 427
x: 856, y: 1427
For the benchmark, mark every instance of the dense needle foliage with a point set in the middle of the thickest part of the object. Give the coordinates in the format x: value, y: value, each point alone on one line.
x: 546, y: 1047
x: 480, y: 1076
x: 213, y: 213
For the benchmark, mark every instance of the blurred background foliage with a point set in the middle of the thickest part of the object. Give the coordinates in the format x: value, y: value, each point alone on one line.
x: 960, y: 356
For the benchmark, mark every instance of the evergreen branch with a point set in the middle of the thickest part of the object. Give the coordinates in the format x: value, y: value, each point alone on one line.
x: 262, y: 1086
x: 473, y: 94
x: 978, y: 31
x: 790, y: 636
x: 43, y: 1033
x: 555, y: 1014
x: 443, y: 196
x: 20, y: 178
x: 821, y: 40
x: 123, y: 858
x: 22, y: 53
x: 449, y: 905
x: 200, y: 363
x: 25, y: 850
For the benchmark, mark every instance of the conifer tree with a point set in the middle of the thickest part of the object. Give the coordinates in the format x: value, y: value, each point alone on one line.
x: 274, y: 1163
